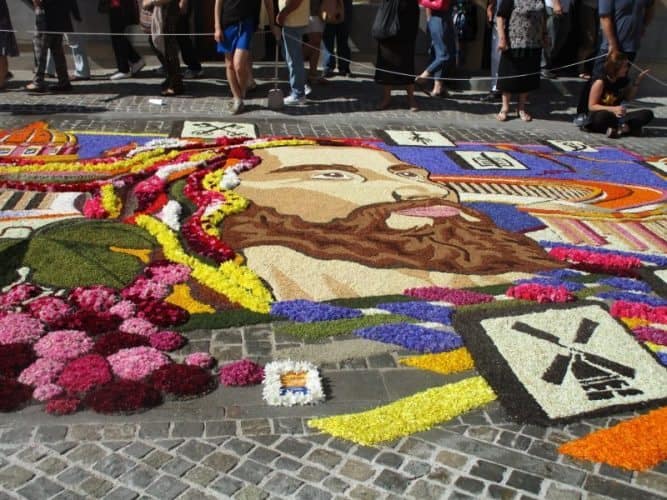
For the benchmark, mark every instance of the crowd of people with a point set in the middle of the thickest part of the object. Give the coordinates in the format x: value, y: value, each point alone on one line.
x: 527, y: 39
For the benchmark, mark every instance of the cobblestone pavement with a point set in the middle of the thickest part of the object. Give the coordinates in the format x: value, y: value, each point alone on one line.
x: 229, y: 444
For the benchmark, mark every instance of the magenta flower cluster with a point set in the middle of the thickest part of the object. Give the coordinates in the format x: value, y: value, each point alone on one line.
x: 450, y: 295
x: 243, y: 372
x: 536, y: 292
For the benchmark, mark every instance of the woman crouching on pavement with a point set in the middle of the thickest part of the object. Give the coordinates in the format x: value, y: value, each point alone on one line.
x: 606, y: 100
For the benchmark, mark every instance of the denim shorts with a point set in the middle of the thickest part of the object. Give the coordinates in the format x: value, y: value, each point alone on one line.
x: 237, y: 36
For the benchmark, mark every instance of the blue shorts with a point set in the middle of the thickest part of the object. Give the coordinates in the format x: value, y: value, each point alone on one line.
x: 237, y: 36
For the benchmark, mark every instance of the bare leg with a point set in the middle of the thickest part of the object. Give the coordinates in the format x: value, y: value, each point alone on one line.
x: 523, y: 114
x: 250, y: 83
x: 504, y: 108
x: 3, y: 71
x: 241, y: 65
x: 386, y: 97
x: 412, y: 103
x: 232, y: 78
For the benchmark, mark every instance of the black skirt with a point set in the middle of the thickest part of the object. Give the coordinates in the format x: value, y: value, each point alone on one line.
x: 515, y: 62
x: 397, y: 54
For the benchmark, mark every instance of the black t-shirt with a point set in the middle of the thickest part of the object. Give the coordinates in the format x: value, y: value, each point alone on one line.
x: 234, y: 11
x: 613, y: 93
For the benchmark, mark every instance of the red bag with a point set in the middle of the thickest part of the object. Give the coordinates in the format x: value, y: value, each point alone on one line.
x: 435, y: 4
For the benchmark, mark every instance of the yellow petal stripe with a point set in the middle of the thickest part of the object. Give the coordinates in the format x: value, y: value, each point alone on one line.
x: 409, y: 415
x: 455, y: 361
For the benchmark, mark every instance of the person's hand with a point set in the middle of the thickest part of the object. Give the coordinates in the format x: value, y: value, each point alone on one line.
x: 489, y: 13
x: 277, y: 32
x: 502, y: 43
x: 641, y: 76
x: 183, y: 6
x: 619, y: 111
x: 280, y: 18
x: 219, y: 37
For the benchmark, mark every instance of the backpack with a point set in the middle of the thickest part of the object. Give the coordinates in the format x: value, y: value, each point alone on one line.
x: 465, y: 20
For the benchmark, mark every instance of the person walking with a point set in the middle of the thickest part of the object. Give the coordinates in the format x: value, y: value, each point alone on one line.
x: 494, y: 94
x: 165, y: 23
x: 122, y: 14
x: 293, y: 16
x: 395, y: 61
x: 186, y: 45
x: 337, y: 51
x: 443, y: 50
x: 8, y: 45
x: 558, y: 29
x: 77, y: 45
x: 522, y: 35
x: 311, y: 47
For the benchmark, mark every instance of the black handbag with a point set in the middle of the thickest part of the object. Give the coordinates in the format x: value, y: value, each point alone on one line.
x: 386, y: 23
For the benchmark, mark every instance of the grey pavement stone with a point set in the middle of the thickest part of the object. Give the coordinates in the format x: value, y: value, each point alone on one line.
x: 177, y: 466
x: 366, y: 452
x: 169, y: 444
x: 544, y: 450
x: 499, y: 492
x: 119, y: 431
x: 157, y: 459
x: 340, y: 445
x: 195, y: 450
x: 115, y: 445
x: 263, y: 455
x: 534, y: 431
x: 74, y: 475
x: 238, y: 446
x: 381, y: 361
x: 312, y: 474
x: 451, y: 459
x: 85, y: 432
x: 255, y: 426
x: 114, y: 465
x: 221, y: 462
x: 335, y: 485
x: 152, y: 430
x: 220, y: 428
x: 615, y: 489
x: 251, y: 492
x: 483, y: 433
x: 137, y: 449
x: 415, y: 468
x: 68, y: 495
x: 309, y: 492
x: 187, y: 429
x: 488, y: 470
x: 441, y: 475
x: 325, y: 458
x: 31, y: 454
x: 357, y: 470
x: 615, y: 472
x: 293, y: 446
x: 121, y: 493
x: 417, y: 448
x: 193, y: 494
x: 288, y: 464
x: 361, y: 492
x: 13, y: 476
x: 469, y: 484
x: 87, y: 453
x: 282, y: 484
x: 39, y: 489
x: 139, y: 477
x: 391, y: 481
x: 50, y: 433
x: 288, y: 425
x: 556, y: 492
x: 167, y: 488
x: 516, y: 441
x: 52, y: 466
x: 96, y: 487
x: 422, y: 490
x: 226, y: 486
x: 526, y: 482
x: 61, y: 447
x: 390, y: 459
x: 251, y: 471
x: 201, y: 475
x: 266, y: 439
x: 18, y: 434
x: 652, y: 480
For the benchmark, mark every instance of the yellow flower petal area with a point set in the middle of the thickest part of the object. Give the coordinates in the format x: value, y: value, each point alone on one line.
x: 181, y: 296
x: 238, y: 283
x: 455, y: 361
x: 632, y: 323
x: 409, y: 415
x: 281, y: 142
x: 110, y: 201
x: 655, y: 347
x: 144, y: 255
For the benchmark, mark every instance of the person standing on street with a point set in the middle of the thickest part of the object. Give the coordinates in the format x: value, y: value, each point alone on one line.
x: 8, y: 45
x: 494, y: 94
x: 122, y: 14
x: 293, y: 16
x: 558, y: 29
x: 336, y: 44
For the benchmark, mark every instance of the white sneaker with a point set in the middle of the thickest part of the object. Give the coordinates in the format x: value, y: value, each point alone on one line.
x: 292, y: 100
x: 307, y: 89
x: 120, y: 76
x: 137, y: 66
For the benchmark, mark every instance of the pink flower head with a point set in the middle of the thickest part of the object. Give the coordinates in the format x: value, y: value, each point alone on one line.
x: 19, y: 327
x: 93, y: 209
x: 540, y: 293
x: 166, y: 340
x: 49, y: 310
x: 124, y: 309
x: 84, y: 373
x: 625, y: 309
x: 244, y: 372
x: 98, y: 298
x: 64, y: 345
x: 62, y: 406
x: 144, y: 288
x: 136, y: 363
x: 586, y: 260
x: 200, y: 359
x: 19, y: 294
x: 167, y: 273
x: 162, y: 313
x: 138, y: 326
x: 451, y: 295
x: 46, y: 392
x: 42, y: 372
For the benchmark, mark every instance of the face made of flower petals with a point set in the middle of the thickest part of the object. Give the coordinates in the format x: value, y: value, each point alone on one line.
x: 335, y: 180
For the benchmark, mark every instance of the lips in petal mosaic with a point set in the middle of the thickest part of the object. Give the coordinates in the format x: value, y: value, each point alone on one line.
x: 536, y: 272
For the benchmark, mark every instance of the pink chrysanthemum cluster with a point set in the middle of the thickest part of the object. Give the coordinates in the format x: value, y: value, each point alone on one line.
x: 243, y: 372
x: 452, y: 295
x: 625, y: 309
x: 540, y: 293
x: 597, y: 262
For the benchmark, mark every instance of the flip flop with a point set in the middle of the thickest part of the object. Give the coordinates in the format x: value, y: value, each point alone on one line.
x: 501, y: 116
x: 524, y: 115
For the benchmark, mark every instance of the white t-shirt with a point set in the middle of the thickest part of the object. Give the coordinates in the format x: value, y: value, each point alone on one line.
x: 565, y: 4
x: 298, y: 17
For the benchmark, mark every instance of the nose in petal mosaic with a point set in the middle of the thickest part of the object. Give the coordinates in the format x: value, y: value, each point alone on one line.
x: 533, y: 272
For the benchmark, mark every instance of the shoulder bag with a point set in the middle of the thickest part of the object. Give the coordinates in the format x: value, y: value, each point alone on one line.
x: 386, y: 23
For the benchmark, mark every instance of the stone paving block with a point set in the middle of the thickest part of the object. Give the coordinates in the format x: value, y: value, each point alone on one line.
x: 114, y: 465
x: 489, y: 471
x: 393, y: 460
x: 312, y: 474
x: 238, y: 446
x: 496, y: 491
x: 39, y: 489
x: 441, y: 475
x: 139, y: 477
x: 357, y: 470
x: 457, y: 495
x: 451, y: 459
x: 381, y: 361
x: 392, y: 481
x: 615, y: 489
x: 340, y: 445
x: 251, y: 492
x: 87, y: 453
x: 318, y: 438
x: 177, y: 466
x: 119, y: 431
x: 166, y: 488
x: 422, y: 490
x: 615, y: 472
x: 651, y: 480
x: 255, y: 426
x: 31, y: 454
x: 263, y: 455
x: 157, y: 459
x: 226, y: 486
x: 285, y: 463
x: 526, y: 482
x: 266, y: 439
x: 201, y: 475
x: 121, y: 493
x: 85, y: 432
x: 220, y: 462
x: 361, y: 492
x: 52, y: 465
x: 96, y: 487
x: 169, y: 444
x: 326, y: 458
x: 556, y: 492
x: 293, y: 446
x: 187, y: 429
x: 309, y: 492
x: 545, y: 450
x: 73, y: 475
x: 67, y: 495
x: 287, y: 425
x: 193, y: 494
x: 50, y: 433
x: 415, y: 468
x: 18, y: 434
x: 282, y: 484
x: 515, y: 441
x: 153, y: 430
x: 335, y: 485
x: 115, y: 445
x: 195, y: 450
x: 61, y: 447
x: 251, y: 471
x: 534, y: 431
x: 137, y: 449
x: 13, y: 476
x: 417, y: 448
x: 366, y: 452
x: 469, y: 484
x: 220, y: 428
x: 483, y: 433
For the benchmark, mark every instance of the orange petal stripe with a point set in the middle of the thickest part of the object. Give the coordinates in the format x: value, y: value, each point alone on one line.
x: 636, y: 444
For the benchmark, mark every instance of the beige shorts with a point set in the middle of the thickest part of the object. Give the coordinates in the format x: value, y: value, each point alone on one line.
x: 315, y: 25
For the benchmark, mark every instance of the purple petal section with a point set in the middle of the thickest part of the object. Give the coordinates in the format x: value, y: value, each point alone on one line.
x: 413, y: 337
x: 626, y: 284
x: 306, y: 311
x: 420, y: 310
x: 650, y: 334
x: 651, y: 300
